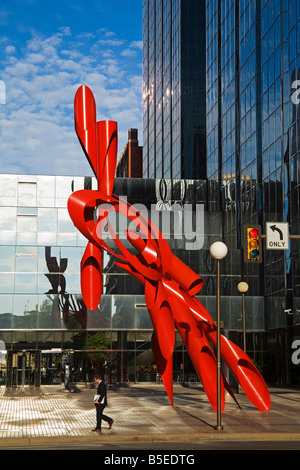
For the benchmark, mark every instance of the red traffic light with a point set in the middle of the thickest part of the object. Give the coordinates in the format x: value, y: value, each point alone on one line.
x: 253, y: 232
x: 252, y: 244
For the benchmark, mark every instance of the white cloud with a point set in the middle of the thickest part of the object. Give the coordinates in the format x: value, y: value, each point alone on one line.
x: 2, y: 92
x: 137, y: 44
x: 129, y: 53
x: 110, y: 42
x: 36, y: 124
x: 10, y: 49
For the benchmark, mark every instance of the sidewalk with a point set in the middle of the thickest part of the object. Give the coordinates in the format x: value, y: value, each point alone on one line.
x: 141, y: 413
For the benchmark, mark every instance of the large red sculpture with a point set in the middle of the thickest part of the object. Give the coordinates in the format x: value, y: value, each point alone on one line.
x: 170, y: 285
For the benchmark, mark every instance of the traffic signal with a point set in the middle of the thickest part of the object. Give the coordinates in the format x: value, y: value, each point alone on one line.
x: 252, y: 244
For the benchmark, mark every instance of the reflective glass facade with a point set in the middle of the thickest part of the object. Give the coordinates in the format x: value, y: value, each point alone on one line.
x: 44, y: 323
x: 174, y: 116
x: 253, y: 49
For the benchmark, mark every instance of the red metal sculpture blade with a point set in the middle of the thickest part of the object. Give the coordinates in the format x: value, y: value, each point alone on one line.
x: 170, y: 285
x: 98, y: 139
x: 91, y: 275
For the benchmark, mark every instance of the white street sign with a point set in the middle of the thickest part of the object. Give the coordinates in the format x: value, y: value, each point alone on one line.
x: 277, y: 235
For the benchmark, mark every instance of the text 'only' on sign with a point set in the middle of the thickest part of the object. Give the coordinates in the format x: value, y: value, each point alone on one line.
x: 277, y: 236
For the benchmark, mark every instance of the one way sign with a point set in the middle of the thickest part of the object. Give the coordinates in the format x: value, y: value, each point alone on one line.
x: 277, y: 235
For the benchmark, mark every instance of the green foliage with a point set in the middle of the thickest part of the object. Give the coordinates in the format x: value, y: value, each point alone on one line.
x: 97, y: 342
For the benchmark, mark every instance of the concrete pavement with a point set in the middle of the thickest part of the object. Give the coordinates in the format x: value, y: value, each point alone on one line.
x: 142, y: 413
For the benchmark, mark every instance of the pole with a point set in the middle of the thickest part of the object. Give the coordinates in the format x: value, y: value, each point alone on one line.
x: 244, y: 322
x: 218, y: 427
x: 23, y: 370
x: 218, y: 250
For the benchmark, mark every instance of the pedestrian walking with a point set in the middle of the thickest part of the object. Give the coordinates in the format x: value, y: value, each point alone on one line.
x: 100, y: 400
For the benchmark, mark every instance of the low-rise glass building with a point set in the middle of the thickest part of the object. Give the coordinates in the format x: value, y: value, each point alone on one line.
x: 45, y: 328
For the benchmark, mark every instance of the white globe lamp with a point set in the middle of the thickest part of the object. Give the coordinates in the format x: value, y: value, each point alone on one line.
x: 218, y: 250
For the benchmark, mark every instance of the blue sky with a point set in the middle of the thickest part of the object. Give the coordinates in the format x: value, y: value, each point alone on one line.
x: 47, y: 50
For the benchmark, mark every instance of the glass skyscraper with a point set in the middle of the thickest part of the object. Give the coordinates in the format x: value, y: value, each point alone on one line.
x: 253, y: 60
x: 174, y: 103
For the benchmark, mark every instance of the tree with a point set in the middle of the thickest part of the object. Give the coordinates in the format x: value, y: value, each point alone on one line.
x: 98, y: 342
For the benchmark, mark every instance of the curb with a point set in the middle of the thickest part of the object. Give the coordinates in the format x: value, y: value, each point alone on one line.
x: 200, y: 437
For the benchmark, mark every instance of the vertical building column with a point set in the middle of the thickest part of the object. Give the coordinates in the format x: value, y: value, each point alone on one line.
x: 219, y: 68
x: 237, y: 115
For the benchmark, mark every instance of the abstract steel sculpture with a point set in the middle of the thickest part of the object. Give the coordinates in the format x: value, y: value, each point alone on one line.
x: 170, y: 285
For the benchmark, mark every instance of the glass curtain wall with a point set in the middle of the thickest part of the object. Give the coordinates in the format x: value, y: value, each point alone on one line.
x: 174, y: 116
x: 44, y: 324
x: 252, y: 146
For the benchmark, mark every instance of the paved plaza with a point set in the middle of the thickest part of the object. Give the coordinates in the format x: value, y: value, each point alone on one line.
x: 141, y: 413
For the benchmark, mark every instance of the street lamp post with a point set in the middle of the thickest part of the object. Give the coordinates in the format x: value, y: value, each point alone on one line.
x: 218, y: 251
x: 242, y: 288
